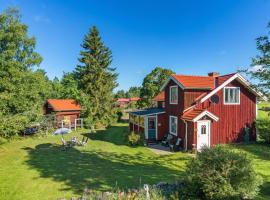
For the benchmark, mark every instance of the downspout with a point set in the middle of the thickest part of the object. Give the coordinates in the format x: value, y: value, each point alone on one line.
x: 186, y: 134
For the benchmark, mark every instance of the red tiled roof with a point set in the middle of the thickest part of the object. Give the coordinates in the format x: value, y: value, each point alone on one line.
x: 222, y: 79
x: 126, y: 100
x: 160, y: 96
x: 191, y: 114
x: 134, y: 99
x: 195, y: 81
x: 64, y: 104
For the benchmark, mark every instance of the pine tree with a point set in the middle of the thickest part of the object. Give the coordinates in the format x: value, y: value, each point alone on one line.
x: 96, y: 79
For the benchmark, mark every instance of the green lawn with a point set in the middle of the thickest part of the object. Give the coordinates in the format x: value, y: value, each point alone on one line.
x: 35, y: 168
x: 261, y: 112
x: 38, y: 168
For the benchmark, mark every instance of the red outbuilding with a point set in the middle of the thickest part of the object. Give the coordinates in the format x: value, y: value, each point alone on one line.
x: 66, y: 112
x: 201, y: 111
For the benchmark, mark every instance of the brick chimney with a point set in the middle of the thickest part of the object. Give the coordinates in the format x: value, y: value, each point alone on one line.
x: 213, y: 74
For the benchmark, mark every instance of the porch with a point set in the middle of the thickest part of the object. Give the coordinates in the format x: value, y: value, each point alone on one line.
x: 149, y: 122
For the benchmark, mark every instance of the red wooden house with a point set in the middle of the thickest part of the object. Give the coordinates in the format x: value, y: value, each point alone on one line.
x: 201, y: 110
x: 66, y: 111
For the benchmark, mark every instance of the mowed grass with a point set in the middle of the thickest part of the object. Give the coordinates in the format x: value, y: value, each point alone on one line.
x: 38, y: 168
x: 263, y: 114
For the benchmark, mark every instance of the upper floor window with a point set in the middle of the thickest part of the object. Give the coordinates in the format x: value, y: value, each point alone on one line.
x: 231, y: 95
x: 173, y: 95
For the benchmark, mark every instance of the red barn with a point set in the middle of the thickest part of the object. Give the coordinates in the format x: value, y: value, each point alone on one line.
x: 202, y: 111
x: 66, y: 111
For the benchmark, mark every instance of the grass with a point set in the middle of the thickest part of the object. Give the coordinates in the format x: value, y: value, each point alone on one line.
x: 38, y: 168
x: 262, y: 113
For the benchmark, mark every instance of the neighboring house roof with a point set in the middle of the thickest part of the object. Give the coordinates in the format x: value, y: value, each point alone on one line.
x: 127, y: 100
x: 160, y: 96
x: 134, y: 98
x: 196, y: 114
x: 149, y: 111
x: 64, y: 104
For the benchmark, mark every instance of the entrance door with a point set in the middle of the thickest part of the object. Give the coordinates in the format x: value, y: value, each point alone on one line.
x: 203, y: 134
x: 152, y: 128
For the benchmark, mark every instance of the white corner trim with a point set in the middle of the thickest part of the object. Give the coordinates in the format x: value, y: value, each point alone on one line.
x: 173, y: 86
x: 174, y: 80
x: 211, y: 115
x: 242, y: 80
x: 170, y: 124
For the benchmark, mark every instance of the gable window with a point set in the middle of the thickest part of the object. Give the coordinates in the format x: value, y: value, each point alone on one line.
x: 231, y: 95
x: 173, y: 125
x: 173, y: 95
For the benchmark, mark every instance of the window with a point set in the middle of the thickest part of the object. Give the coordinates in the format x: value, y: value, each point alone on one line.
x: 173, y: 125
x: 231, y: 95
x: 151, y: 123
x: 203, y: 129
x: 173, y: 95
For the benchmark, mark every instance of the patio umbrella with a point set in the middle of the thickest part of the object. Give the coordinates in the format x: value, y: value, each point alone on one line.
x: 62, y: 131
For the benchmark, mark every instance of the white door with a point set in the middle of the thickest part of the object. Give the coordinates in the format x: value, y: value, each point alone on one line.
x: 203, y: 134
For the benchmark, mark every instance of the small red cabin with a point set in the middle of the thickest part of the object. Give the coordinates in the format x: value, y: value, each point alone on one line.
x: 201, y: 111
x: 66, y: 111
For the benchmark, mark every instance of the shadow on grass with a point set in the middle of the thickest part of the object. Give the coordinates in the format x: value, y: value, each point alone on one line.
x: 114, y: 134
x: 96, y: 170
x: 259, y: 150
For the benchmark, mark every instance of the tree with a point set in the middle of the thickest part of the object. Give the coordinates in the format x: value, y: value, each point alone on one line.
x: 133, y: 92
x: 70, y: 86
x: 261, y: 63
x: 121, y: 94
x: 152, y: 84
x: 97, y: 80
x: 57, y: 89
x: 23, y: 87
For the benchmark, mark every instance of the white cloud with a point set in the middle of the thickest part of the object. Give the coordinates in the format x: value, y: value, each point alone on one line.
x: 255, y: 68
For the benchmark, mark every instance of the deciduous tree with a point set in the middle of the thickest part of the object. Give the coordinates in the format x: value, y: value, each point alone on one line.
x: 152, y: 84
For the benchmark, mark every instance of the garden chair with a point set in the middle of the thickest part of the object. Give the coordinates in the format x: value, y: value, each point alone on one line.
x: 65, y: 144
x: 84, y: 141
x: 176, y: 146
x: 167, y: 140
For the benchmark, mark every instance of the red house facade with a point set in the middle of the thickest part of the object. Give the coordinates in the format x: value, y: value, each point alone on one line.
x: 201, y: 111
x: 66, y: 111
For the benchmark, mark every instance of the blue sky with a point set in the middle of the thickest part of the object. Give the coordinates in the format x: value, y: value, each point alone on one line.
x: 190, y: 37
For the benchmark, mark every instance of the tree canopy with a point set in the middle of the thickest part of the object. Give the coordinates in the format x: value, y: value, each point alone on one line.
x: 96, y: 79
x: 23, y: 86
x: 152, y: 84
x: 261, y: 63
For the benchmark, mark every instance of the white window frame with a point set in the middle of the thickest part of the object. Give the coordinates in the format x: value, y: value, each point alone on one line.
x: 175, y: 86
x: 176, y: 125
x: 238, y: 96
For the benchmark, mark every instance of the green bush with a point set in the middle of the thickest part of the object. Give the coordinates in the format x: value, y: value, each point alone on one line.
x: 134, y: 139
x: 220, y: 173
x: 263, y: 128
